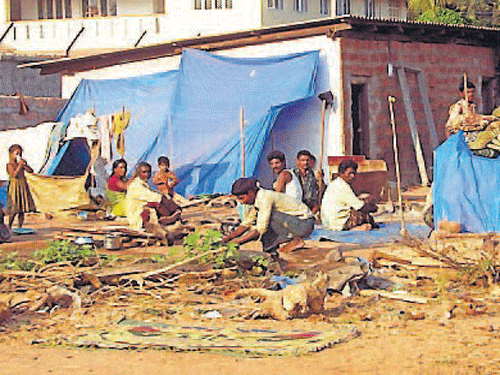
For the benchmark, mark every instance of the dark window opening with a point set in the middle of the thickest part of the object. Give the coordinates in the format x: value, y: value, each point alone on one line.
x: 359, y: 116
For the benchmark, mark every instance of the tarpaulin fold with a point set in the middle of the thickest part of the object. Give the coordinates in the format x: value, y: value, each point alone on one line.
x: 466, y: 187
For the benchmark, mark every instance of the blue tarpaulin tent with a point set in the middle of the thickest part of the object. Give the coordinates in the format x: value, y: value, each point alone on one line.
x: 466, y: 187
x: 192, y: 114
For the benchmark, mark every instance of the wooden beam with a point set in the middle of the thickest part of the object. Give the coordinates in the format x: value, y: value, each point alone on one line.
x: 422, y: 84
x: 413, y: 126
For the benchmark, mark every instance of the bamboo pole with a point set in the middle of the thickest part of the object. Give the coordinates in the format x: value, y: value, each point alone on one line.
x: 466, y: 93
x: 322, y: 150
x: 391, y: 100
x: 242, y: 130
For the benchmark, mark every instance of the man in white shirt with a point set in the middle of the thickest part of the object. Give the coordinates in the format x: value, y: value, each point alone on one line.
x: 341, y: 209
x: 275, y: 218
x: 140, y: 196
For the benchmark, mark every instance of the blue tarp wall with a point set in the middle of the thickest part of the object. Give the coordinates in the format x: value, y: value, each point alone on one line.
x: 466, y: 187
x: 192, y: 114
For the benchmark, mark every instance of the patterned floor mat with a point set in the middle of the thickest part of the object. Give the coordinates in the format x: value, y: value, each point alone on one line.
x: 236, y: 339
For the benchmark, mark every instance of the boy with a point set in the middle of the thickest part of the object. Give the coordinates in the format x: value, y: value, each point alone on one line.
x: 160, y: 178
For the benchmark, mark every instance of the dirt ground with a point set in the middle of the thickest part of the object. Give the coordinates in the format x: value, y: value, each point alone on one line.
x: 456, y: 330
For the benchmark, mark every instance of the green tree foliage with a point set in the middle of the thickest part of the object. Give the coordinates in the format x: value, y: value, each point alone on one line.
x: 468, y: 12
x: 443, y: 15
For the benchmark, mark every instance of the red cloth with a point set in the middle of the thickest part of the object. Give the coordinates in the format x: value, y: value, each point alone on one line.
x: 113, y: 184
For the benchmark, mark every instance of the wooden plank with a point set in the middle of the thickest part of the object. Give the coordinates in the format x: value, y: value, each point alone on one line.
x: 422, y: 83
x: 413, y: 125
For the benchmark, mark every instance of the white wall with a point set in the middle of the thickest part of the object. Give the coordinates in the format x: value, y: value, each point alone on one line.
x: 134, y: 7
x: 297, y: 127
x: 180, y: 21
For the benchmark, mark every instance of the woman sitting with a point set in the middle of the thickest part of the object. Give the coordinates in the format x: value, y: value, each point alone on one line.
x: 117, y: 188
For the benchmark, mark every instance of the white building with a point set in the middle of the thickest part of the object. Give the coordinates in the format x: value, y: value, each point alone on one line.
x: 83, y: 26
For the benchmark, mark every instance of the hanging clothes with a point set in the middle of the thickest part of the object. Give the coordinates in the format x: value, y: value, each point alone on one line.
x: 83, y: 126
x: 105, y: 129
x: 120, y: 123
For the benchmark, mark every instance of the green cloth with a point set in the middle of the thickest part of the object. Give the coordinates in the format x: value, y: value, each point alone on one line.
x: 116, y: 201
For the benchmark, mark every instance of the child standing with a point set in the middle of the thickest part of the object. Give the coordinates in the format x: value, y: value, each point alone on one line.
x: 160, y: 178
x: 165, y: 181
x: 19, y: 199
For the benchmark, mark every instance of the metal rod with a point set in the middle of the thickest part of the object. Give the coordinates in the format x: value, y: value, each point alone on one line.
x: 140, y: 38
x: 74, y: 40
x: 6, y: 32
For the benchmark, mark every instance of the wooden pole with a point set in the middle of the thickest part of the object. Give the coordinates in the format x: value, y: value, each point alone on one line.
x: 319, y: 175
x: 466, y: 94
x: 391, y: 100
x: 242, y: 130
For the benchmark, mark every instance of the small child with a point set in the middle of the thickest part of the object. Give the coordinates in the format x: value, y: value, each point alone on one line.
x: 160, y: 178
x: 19, y: 199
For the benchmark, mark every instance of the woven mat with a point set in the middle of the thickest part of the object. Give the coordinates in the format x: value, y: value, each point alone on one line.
x: 240, y: 339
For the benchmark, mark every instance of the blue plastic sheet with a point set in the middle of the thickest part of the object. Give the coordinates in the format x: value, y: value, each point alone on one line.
x: 387, y: 233
x: 466, y: 187
x: 193, y: 115
x: 148, y: 98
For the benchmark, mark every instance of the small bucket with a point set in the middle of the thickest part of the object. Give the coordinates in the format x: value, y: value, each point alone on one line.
x: 112, y: 242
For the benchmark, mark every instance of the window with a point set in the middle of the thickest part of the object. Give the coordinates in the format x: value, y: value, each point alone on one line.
x: 158, y: 6
x: 300, y: 5
x: 324, y: 7
x: 370, y: 8
x: 394, y: 9
x: 275, y: 4
x: 214, y: 4
x: 343, y: 7
x: 67, y: 8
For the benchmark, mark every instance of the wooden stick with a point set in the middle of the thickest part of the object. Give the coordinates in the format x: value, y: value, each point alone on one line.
x: 466, y: 94
x: 175, y: 265
x: 242, y: 129
x: 322, y: 150
x: 392, y: 295
x: 392, y: 99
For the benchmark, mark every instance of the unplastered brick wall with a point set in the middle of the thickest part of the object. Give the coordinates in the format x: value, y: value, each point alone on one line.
x: 443, y: 65
x: 40, y: 110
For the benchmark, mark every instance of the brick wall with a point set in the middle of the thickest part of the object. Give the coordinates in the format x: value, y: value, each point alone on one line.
x: 40, y: 110
x: 443, y: 66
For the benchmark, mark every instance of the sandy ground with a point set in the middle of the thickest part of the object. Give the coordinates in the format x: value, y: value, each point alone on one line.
x: 463, y: 347
x: 389, y: 341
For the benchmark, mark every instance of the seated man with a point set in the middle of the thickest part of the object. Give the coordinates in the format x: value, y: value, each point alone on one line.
x: 140, y: 196
x: 308, y: 182
x: 341, y: 209
x: 278, y: 218
x: 285, y: 181
x: 481, y: 132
